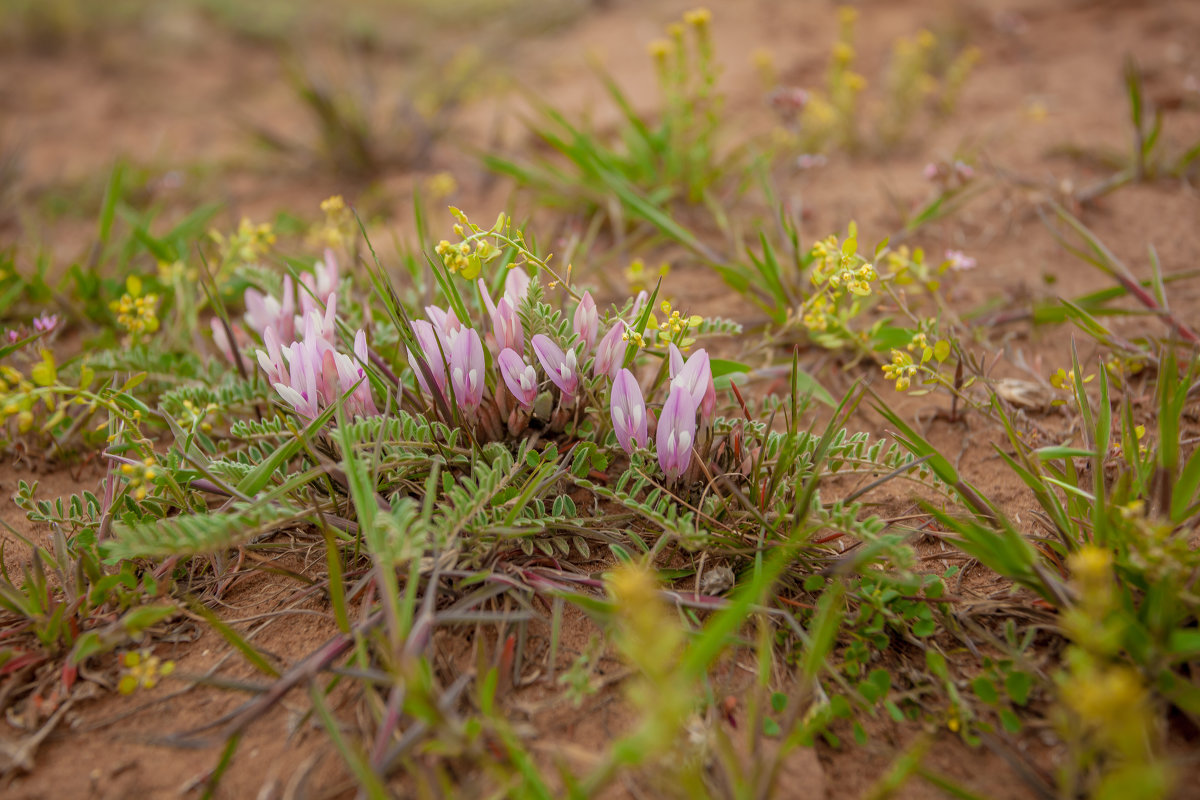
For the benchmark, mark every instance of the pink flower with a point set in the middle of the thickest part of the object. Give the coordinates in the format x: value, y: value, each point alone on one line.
x: 676, y: 432
x: 264, y: 311
x: 445, y: 321
x: 628, y: 411
x: 506, y: 327
x: 516, y: 285
x: 610, y: 354
x: 317, y: 374
x: 466, y: 369
x: 45, y: 323
x: 639, y: 301
x: 487, y: 298
x: 959, y: 260
x: 301, y: 389
x: 586, y: 322
x: 695, y: 375
x: 352, y: 371
x: 520, y: 377
x: 271, y: 360
x: 327, y: 276
x: 431, y: 351
x: 562, y: 368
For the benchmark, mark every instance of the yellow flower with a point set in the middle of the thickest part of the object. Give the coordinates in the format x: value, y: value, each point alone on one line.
x: 660, y: 49
x: 441, y: 186
x: 901, y: 370
x: 698, y: 18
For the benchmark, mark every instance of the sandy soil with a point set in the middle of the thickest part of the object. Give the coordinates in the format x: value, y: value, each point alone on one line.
x: 179, y: 95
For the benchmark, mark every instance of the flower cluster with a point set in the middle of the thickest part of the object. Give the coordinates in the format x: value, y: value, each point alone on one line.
x: 44, y: 324
x: 902, y: 370
x: 140, y: 476
x: 247, y: 244
x: 841, y: 267
x: 449, y: 363
x: 136, y: 312
x: 948, y: 175
x: 959, y: 261
x: 310, y: 373
x: 460, y: 258
x: 142, y: 670
x: 338, y: 227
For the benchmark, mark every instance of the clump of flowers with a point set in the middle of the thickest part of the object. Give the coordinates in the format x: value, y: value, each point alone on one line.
x: 337, y: 229
x: 842, y: 279
x: 901, y: 370
x: 245, y: 245
x: 309, y: 372
x: 141, y: 669
x: 925, y: 71
x: 137, y: 312
x: 140, y: 476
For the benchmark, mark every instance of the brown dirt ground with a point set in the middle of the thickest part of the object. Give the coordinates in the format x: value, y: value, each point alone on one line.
x: 171, y: 94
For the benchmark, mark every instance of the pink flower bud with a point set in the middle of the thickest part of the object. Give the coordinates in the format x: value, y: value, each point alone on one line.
x: 264, y: 311
x: 676, y: 432
x: 301, y: 389
x: 628, y: 411
x: 516, y: 285
x: 445, y: 321
x: 363, y: 403
x: 638, y: 302
x: 46, y: 323
x: 506, y: 327
x: 610, y: 354
x: 271, y: 360
x: 327, y: 275
x: 695, y: 375
x: 520, y: 377
x: 466, y: 369
x: 562, y: 368
x: 428, y: 342
x: 586, y: 322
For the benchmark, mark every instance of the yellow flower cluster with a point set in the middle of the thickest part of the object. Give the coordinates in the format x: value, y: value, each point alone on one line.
x: 674, y: 323
x: 902, y: 370
x: 142, y: 671
x: 338, y: 228
x: 17, y: 401
x: 440, y: 186
x: 136, y: 313
x: 454, y: 256
x: 840, y: 267
x: 458, y: 258
x: 139, y: 475
x: 699, y: 18
x: 816, y: 316
x: 631, y: 335
x: 248, y: 243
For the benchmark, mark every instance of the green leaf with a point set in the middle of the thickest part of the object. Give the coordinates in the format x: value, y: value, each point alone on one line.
x: 985, y: 690
x: 1185, y: 643
x: 935, y: 662
x: 1018, y: 686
